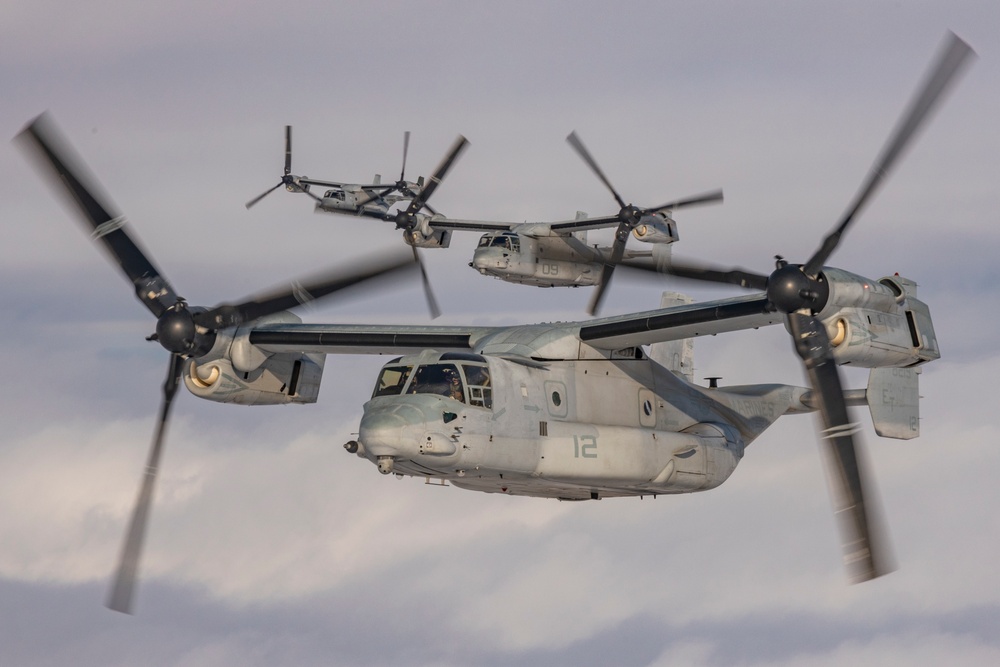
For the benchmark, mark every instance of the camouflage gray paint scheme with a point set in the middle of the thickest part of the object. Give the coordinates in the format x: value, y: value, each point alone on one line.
x: 582, y: 410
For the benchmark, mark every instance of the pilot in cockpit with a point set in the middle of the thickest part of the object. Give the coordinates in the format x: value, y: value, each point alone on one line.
x: 455, y: 387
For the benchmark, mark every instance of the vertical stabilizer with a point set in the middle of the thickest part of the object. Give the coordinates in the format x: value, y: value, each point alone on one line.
x: 894, y: 401
x: 581, y: 235
x: 675, y: 355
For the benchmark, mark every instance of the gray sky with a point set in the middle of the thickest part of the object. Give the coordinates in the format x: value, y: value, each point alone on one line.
x: 268, y: 544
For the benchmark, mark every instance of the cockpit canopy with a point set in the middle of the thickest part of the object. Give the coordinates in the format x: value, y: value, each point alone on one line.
x: 467, y: 382
x: 507, y: 240
x: 334, y: 194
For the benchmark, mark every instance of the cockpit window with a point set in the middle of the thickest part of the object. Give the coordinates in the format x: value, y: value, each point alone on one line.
x: 440, y: 379
x: 391, y: 380
x: 507, y: 241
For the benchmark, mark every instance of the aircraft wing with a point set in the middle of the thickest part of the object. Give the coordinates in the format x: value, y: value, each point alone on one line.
x: 608, y: 333
x: 679, y: 322
x: 443, y: 223
x: 304, y: 180
x: 363, y: 338
x: 584, y: 224
x: 452, y: 224
x: 564, y: 227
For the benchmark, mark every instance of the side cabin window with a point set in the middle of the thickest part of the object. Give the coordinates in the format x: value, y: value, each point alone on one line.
x: 480, y: 388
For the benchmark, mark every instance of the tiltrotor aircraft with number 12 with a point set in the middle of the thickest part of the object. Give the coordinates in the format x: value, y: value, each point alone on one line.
x: 584, y: 410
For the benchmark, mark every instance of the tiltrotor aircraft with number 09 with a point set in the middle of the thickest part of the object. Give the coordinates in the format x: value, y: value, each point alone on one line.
x: 540, y: 254
x: 582, y: 410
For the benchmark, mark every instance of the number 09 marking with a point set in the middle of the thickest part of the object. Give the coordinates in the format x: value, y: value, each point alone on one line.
x: 585, y: 446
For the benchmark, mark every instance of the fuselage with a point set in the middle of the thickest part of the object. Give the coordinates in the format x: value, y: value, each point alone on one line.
x: 574, y: 430
x: 549, y: 261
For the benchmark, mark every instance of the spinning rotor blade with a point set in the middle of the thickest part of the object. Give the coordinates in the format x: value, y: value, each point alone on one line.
x: 428, y: 292
x: 582, y: 151
x: 107, y: 226
x: 181, y: 330
x: 629, y: 216
x: 287, y: 179
x: 864, y: 550
x: 298, y: 294
x: 798, y: 291
x: 315, y: 198
x: 400, y: 185
x: 954, y: 55
x: 121, y: 594
x: 740, y: 277
x: 704, y: 198
x: 287, y: 170
x: 406, y: 148
x: 420, y: 201
x: 256, y: 199
x: 617, y: 252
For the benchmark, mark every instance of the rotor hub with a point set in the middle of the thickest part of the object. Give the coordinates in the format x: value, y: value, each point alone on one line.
x: 404, y: 220
x: 791, y: 290
x: 175, y: 330
x: 630, y: 215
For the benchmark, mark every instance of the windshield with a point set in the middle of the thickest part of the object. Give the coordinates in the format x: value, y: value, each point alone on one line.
x: 391, y: 380
x: 441, y: 379
x: 507, y: 241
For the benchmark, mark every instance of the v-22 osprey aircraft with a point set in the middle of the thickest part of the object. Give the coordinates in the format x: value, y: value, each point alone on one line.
x: 580, y: 410
x: 541, y: 254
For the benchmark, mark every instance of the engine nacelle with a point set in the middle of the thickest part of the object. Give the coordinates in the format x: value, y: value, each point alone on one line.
x: 423, y: 236
x: 235, y: 371
x: 656, y: 228
x: 877, y: 324
x: 283, y: 378
x: 297, y: 186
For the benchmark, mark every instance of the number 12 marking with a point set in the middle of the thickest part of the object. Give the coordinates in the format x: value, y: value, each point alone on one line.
x: 585, y: 446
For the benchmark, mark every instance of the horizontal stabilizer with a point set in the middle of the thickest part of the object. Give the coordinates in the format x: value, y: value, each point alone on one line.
x: 894, y: 401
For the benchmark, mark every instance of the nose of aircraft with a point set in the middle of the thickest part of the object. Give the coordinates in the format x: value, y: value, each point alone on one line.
x: 484, y: 259
x: 409, y: 429
x: 391, y: 430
